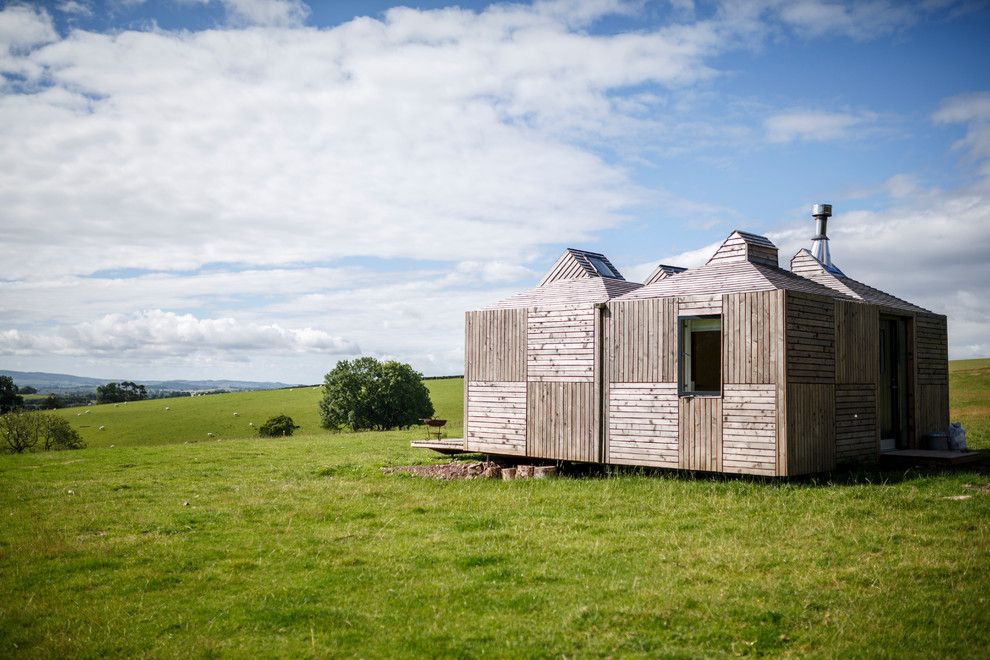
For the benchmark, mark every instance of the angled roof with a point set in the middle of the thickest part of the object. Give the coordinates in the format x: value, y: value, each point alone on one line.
x: 569, y: 292
x: 581, y: 263
x: 805, y: 264
x: 577, y: 277
x: 744, y: 262
x: 662, y: 272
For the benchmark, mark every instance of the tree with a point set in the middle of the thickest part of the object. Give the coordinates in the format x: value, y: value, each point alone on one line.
x: 52, y: 402
x: 9, y: 399
x: 277, y: 427
x: 117, y: 392
x: 29, y: 431
x: 27, y: 389
x: 368, y: 394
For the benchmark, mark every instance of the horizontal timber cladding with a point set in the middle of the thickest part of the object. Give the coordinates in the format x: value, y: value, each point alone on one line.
x: 750, y: 327
x: 931, y: 341
x: 496, y: 421
x: 495, y: 345
x: 933, y: 409
x: 642, y: 424
x: 810, y: 338
x: 561, y: 344
x: 560, y: 421
x: 699, y: 305
x: 810, y: 428
x: 857, y: 342
x: 857, y: 434
x: 641, y: 341
x: 700, y: 426
x: 749, y: 429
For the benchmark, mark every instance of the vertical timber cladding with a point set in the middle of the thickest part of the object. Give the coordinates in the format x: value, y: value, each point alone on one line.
x: 931, y: 350
x: 560, y: 396
x: 494, y: 379
x: 857, y: 372
x: 640, y: 381
x: 752, y: 359
x: 810, y: 405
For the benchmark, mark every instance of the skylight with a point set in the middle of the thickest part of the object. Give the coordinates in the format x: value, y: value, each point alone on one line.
x: 602, y: 267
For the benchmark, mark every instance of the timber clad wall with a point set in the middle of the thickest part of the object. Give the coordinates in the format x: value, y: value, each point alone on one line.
x: 749, y: 429
x: 750, y: 327
x: 498, y: 417
x: 810, y: 339
x: 561, y: 344
x: 560, y: 421
x: 933, y: 408
x: 810, y: 428
x: 700, y: 424
x: 641, y: 341
x: 932, y: 349
x: 857, y: 434
x: 495, y: 345
x: 642, y: 424
x: 857, y: 348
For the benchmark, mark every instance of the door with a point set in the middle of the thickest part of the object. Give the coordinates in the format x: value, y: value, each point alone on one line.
x: 893, y: 383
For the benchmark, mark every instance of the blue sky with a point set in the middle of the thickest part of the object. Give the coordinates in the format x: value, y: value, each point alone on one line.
x: 247, y: 189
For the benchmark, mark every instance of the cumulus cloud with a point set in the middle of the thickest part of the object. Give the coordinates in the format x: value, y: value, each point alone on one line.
x: 811, y: 125
x: 155, y: 332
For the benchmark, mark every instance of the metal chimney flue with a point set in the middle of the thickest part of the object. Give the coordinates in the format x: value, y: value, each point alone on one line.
x: 819, y: 242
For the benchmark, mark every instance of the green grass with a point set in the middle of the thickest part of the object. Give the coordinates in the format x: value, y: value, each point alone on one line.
x: 192, y: 418
x: 301, y: 547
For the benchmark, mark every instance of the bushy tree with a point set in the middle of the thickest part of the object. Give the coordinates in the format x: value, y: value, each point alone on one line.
x: 118, y: 392
x: 9, y: 398
x: 30, y: 431
x: 369, y: 394
x: 277, y: 427
x: 27, y: 389
x: 52, y: 402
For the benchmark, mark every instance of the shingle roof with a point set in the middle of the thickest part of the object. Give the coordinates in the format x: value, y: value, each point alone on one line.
x: 579, y: 264
x: 569, y: 292
x: 662, y: 272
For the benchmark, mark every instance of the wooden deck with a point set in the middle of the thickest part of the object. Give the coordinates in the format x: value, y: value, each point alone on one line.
x: 903, y: 457
x: 444, y: 446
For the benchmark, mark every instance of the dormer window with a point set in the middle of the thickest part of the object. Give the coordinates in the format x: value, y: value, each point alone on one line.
x: 602, y: 268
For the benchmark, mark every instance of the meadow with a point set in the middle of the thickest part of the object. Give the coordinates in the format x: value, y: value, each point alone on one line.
x: 170, y: 544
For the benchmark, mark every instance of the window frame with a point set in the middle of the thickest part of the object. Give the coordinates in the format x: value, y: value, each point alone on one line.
x: 682, y: 363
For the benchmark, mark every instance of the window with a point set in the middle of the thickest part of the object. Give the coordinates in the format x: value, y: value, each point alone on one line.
x: 602, y: 267
x: 701, y: 355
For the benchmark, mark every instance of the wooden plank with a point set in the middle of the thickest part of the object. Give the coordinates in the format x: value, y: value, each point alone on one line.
x: 810, y: 428
x: 496, y: 417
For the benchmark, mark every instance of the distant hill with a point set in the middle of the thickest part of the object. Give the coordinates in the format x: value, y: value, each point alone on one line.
x: 66, y: 383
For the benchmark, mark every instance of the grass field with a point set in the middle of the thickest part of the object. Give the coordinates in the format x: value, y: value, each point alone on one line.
x: 301, y: 547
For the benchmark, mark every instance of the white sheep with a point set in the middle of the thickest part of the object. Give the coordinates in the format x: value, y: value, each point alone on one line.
x: 103, y: 428
x: 168, y: 407
x: 250, y: 423
x: 237, y: 415
x: 209, y: 435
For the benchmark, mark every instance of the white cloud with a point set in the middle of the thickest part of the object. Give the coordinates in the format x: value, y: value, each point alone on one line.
x: 812, y: 125
x: 76, y: 8
x: 862, y: 19
x: 155, y: 332
x: 23, y: 27
x: 277, y: 13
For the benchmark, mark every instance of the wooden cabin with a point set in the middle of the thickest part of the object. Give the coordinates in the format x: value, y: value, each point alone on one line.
x: 736, y: 366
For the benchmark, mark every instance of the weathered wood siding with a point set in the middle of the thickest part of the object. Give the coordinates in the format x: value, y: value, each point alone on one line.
x: 810, y: 428
x: 749, y: 429
x: 641, y: 341
x: 699, y: 305
x: 932, y: 349
x: 857, y: 343
x: 933, y: 408
x: 750, y: 323
x: 857, y: 433
x: 495, y: 345
x: 560, y: 421
x: 810, y: 339
x: 642, y: 424
x: 496, y: 417
x: 561, y: 344
x: 700, y: 428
